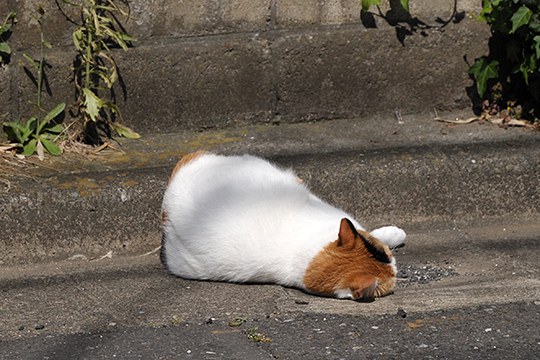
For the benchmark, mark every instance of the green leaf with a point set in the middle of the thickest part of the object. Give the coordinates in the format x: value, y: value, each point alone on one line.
x: 112, y: 107
x: 536, y: 40
x: 58, y: 109
x: 50, y: 146
x: 528, y: 66
x: 56, y: 129
x: 535, y: 24
x: 30, y: 148
x: 483, y: 72
x: 92, y: 104
x: 30, y: 126
x: 6, y: 26
x: 77, y: 39
x: 4, y: 48
x: 487, y: 8
x: 31, y: 61
x: 116, y: 37
x: 125, y: 131
x: 521, y: 17
x: 405, y: 4
x: 13, y: 131
x: 366, y: 4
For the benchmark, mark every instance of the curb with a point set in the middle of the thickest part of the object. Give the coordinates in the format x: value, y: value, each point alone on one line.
x: 420, y: 174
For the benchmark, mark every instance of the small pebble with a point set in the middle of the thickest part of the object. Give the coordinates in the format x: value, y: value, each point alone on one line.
x: 402, y: 313
x: 21, y: 328
x: 39, y: 327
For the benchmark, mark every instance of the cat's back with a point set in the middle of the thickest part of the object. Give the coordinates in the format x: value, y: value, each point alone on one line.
x: 210, y: 178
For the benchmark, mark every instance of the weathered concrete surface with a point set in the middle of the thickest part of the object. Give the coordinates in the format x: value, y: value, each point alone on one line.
x: 211, y: 64
x: 420, y: 174
x: 79, y: 279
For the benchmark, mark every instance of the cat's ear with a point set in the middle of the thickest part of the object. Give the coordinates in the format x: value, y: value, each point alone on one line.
x: 347, y: 234
x: 363, y: 287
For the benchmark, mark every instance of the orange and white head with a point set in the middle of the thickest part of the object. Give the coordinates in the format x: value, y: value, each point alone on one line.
x: 355, y: 266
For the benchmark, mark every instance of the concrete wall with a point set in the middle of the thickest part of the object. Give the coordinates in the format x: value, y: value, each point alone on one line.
x: 200, y: 64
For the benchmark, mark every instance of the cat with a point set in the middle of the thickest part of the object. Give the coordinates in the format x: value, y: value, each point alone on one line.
x: 242, y: 219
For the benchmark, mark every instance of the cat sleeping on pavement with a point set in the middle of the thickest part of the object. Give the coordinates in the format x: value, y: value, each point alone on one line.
x: 243, y: 219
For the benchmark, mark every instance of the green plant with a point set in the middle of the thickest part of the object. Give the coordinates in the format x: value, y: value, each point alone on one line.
x: 366, y: 4
x: 95, y: 69
x: 37, y: 134
x: 255, y: 336
x: 399, y: 17
x: 510, y: 74
x: 5, y: 33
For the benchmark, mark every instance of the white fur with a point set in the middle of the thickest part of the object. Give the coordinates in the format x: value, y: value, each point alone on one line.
x: 343, y: 293
x: 242, y: 219
x: 390, y: 235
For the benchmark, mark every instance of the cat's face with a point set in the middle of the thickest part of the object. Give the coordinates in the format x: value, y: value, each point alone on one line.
x: 355, y: 266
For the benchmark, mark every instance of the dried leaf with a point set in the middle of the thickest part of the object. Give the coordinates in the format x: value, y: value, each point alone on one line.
x: 7, y: 147
x: 458, y: 121
x: 415, y: 324
x: 40, y: 151
x: 509, y: 122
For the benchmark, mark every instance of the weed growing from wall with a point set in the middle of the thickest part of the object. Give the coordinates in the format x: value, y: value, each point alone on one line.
x: 95, y: 69
x: 5, y: 33
x: 40, y: 133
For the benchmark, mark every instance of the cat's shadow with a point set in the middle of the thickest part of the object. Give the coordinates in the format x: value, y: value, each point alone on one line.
x: 301, y: 291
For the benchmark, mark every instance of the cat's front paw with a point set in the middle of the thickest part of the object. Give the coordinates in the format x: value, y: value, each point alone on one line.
x: 390, y: 235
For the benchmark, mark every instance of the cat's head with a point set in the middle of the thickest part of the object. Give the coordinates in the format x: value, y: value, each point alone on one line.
x: 355, y: 266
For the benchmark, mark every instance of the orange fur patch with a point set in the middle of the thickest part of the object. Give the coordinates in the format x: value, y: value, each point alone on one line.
x: 164, y: 217
x: 186, y: 159
x: 348, y: 264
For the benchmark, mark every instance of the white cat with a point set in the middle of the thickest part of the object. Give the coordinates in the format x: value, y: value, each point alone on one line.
x: 242, y: 219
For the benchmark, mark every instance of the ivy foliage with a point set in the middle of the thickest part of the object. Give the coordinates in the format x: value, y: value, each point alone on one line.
x: 510, y: 74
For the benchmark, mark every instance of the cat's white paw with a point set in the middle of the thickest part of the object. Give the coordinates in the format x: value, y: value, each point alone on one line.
x: 390, y: 235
